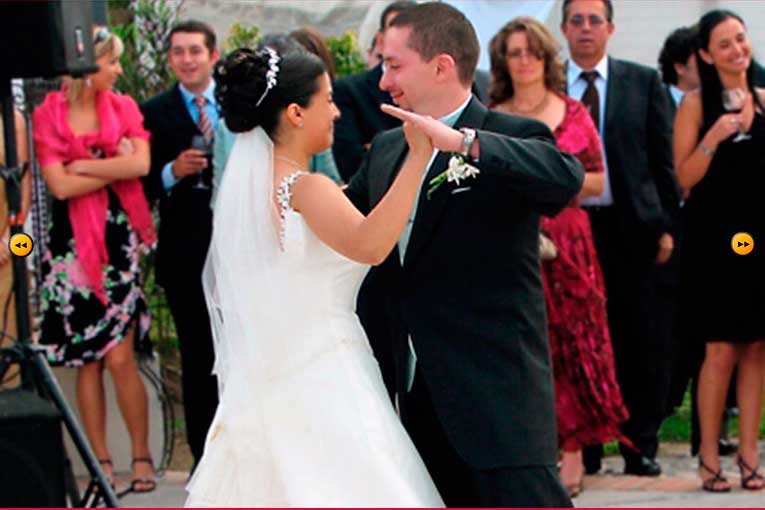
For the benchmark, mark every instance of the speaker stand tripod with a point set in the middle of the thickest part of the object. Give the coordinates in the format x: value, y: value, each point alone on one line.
x: 31, y: 358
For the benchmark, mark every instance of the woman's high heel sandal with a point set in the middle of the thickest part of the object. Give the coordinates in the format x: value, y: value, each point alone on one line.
x: 109, y: 477
x: 754, y: 481
x: 717, y: 483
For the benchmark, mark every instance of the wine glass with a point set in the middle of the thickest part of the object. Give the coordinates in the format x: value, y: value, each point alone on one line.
x: 733, y: 100
x: 199, y: 142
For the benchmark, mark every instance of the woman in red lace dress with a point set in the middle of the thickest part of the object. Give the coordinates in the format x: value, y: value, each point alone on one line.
x: 527, y: 79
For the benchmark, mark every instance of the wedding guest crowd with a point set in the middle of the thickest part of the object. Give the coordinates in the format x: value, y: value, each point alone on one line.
x: 636, y: 270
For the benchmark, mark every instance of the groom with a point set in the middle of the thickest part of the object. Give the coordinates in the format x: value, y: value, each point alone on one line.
x: 464, y: 292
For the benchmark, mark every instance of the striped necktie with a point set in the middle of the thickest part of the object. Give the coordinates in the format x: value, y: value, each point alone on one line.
x: 204, y: 124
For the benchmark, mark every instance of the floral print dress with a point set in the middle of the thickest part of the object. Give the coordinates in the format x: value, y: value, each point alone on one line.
x: 76, y: 326
x: 588, y: 401
x: 78, y: 323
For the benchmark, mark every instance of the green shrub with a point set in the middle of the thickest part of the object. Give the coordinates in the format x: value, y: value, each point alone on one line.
x: 240, y: 36
x: 346, y: 54
x: 145, y: 34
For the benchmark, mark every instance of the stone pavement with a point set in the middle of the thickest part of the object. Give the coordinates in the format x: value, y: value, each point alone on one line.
x: 677, y: 487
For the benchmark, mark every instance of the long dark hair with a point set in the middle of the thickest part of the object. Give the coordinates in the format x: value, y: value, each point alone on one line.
x: 711, y: 86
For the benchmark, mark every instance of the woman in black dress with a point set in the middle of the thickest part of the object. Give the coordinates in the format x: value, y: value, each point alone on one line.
x: 722, y: 172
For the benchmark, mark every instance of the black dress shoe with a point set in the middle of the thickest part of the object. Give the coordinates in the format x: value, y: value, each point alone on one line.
x: 641, y: 466
x: 591, y: 457
x: 592, y: 468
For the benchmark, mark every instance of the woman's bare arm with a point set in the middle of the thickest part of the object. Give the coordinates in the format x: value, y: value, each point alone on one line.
x: 127, y: 166
x: 335, y: 220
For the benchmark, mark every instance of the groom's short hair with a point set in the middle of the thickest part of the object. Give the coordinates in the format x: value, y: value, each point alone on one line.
x: 438, y: 28
x: 395, y: 7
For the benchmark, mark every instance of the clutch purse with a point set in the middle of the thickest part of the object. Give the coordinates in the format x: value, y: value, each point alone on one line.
x: 547, y: 249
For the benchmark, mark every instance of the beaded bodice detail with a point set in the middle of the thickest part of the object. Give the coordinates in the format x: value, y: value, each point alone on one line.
x: 283, y: 197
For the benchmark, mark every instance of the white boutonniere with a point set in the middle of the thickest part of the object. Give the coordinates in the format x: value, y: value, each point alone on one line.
x: 458, y: 170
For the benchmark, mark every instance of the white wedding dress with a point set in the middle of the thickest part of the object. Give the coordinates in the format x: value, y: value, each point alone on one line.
x: 304, y: 418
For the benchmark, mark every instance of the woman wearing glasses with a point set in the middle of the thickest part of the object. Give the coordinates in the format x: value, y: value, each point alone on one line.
x: 527, y: 79
x: 92, y: 149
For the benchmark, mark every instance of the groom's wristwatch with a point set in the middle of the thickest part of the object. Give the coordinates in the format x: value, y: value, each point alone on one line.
x: 468, y: 137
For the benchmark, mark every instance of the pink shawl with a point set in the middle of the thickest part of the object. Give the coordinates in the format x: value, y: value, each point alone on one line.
x: 118, y: 117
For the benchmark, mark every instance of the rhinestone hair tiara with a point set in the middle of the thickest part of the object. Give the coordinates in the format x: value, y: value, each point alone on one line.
x: 273, y: 70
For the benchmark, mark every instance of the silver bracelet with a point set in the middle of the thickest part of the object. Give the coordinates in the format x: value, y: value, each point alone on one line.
x: 468, y: 138
x: 706, y: 150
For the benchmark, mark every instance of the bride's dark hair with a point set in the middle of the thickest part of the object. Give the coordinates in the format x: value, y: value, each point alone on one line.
x: 241, y: 81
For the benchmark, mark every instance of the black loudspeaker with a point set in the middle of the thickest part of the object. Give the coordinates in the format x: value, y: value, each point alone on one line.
x: 32, y: 458
x: 100, y: 10
x: 46, y: 38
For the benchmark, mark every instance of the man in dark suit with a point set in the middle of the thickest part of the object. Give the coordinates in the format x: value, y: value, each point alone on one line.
x: 358, y: 97
x: 463, y: 292
x: 180, y: 179
x: 632, y: 221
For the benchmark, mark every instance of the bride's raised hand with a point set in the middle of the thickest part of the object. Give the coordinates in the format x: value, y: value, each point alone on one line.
x: 420, y: 144
x: 442, y: 136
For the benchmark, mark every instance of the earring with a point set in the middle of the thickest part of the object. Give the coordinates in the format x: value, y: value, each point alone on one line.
x: 88, y: 82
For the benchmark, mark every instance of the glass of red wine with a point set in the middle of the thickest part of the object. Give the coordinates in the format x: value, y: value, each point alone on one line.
x: 199, y: 142
x: 733, y: 101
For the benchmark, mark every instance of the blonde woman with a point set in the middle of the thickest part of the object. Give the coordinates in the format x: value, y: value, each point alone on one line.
x: 92, y: 149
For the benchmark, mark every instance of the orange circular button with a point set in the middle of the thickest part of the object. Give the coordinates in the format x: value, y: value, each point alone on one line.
x: 742, y: 243
x: 20, y: 245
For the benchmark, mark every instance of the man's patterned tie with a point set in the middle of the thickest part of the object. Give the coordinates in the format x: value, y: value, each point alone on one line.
x: 591, y: 98
x: 204, y: 121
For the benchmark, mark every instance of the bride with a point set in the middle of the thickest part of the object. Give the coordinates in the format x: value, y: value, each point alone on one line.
x: 304, y: 419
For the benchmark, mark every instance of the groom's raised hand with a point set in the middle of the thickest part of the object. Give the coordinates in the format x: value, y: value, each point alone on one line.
x: 442, y: 136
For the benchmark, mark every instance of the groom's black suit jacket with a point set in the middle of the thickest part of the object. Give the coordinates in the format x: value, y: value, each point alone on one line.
x: 470, y: 292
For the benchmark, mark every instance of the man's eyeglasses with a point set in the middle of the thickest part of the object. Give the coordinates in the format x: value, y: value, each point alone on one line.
x: 578, y: 20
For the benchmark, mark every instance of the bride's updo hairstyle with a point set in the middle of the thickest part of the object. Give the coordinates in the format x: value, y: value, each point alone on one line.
x: 243, y: 92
